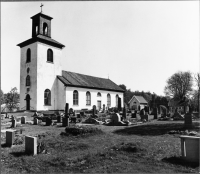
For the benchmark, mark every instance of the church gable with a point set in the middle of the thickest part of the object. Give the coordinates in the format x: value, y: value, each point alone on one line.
x: 85, y: 81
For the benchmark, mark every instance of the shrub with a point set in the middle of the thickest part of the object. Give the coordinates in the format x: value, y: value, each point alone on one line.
x: 81, y: 130
x: 18, y: 140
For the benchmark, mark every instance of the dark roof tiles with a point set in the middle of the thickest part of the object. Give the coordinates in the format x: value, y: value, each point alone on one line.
x: 86, y: 81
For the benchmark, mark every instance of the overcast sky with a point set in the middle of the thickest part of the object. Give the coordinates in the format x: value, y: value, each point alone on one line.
x: 139, y: 44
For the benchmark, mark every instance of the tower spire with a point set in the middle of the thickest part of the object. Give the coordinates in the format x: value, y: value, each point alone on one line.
x: 41, y: 7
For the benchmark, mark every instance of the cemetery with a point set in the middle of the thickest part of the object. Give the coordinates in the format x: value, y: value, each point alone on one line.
x: 89, y: 141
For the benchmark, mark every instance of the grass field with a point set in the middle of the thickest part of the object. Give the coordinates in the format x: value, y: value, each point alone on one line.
x: 145, y: 148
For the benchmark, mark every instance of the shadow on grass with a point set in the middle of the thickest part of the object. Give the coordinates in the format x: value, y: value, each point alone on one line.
x: 179, y: 161
x: 150, y: 129
x: 19, y: 154
x: 5, y: 145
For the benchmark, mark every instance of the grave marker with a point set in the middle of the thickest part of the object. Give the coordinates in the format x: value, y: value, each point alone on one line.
x: 188, y: 120
x: 31, y: 145
x: 58, y: 119
x: 23, y: 120
x: 94, y: 110
x: 35, y: 121
x: 14, y: 123
x: 66, y: 118
x: 10, y: 135
x: 48, y: 121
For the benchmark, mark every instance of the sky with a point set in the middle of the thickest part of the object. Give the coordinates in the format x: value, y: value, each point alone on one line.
x: 136, y: 43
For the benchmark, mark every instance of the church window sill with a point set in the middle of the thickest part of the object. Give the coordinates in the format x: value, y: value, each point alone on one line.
x: 47, y: 105
x: 49, y: 62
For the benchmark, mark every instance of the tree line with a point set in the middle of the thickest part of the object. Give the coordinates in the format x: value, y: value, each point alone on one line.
x: 179, y: 86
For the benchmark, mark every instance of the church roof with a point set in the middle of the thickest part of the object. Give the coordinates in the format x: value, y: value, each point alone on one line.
x: 85, y: 81
x: 42, y: 39
x: 140, y: 99
x: 43, y: 15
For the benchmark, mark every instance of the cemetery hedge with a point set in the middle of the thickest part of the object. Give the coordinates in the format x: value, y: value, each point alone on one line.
x: 110, y: 149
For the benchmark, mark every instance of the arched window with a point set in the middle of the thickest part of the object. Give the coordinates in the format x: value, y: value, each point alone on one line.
x: 108, y: 100
x: 98, y: 94
x: 28, y: 55
x: 88, y: 98
x: 75, y: 97
x: 28, y: 70
x: 117, y: 100
x: 49, y: 55
x: 45, y: 28
x: 36, y: 29
x: 47, y: 97
x: 28, y: 80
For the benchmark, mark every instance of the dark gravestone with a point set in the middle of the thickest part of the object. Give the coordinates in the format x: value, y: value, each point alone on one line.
x: 104, y: 108
x: 94, y: 110
x: 58, y: 119
x: 66, y: 118
x: 124, y: 112
x: 67, y: 110
x: 188, y: 120
x: 119, y: 104
x: 155, y: 113
x: 48, y: 121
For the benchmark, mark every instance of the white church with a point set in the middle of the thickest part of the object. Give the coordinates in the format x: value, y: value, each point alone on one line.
x: 45, y: 86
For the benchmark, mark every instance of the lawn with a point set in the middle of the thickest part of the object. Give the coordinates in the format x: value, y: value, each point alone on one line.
x: 144, y: 148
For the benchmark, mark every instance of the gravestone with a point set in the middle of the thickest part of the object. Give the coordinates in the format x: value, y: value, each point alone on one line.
x: 115, y: 118
x: 94, y: 110
x: 58, y: 119
x: 35, y: 121
x: 10, y: 135
x: 67, y: 110
x: 155, y: 113
x: 48, y: 121
x: 31, y: 145
x: 66, y: 118
x: 119, y: 104
x: 124, y: 112
x: 104, y: 107
x: 23, y: 120
x: 65, y: 121
x: 188, y: 120
x: 14, y: 123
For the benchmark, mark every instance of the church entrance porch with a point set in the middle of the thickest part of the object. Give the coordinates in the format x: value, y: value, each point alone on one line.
x: 28, y: 102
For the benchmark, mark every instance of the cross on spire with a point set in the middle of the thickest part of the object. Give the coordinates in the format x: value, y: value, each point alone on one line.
x: 41, y: 7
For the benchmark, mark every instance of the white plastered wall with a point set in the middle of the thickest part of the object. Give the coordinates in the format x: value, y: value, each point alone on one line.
x: 33, y: 76
x: 47, y: 76
x: 93, y: 92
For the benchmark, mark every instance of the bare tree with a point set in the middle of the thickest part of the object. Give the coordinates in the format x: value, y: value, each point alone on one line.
x: 197, y: 81
x: 179, y: 85
x: 2, y: 97
x: 12, y: 99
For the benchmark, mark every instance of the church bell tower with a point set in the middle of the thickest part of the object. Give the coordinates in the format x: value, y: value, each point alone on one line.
x: 40, y: 63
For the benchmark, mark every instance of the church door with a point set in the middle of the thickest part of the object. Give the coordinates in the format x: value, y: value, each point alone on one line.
x: 98, y: 104
x: 28, y: 102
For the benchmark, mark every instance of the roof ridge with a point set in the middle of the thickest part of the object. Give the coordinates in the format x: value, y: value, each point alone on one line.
x: 87, y: 75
